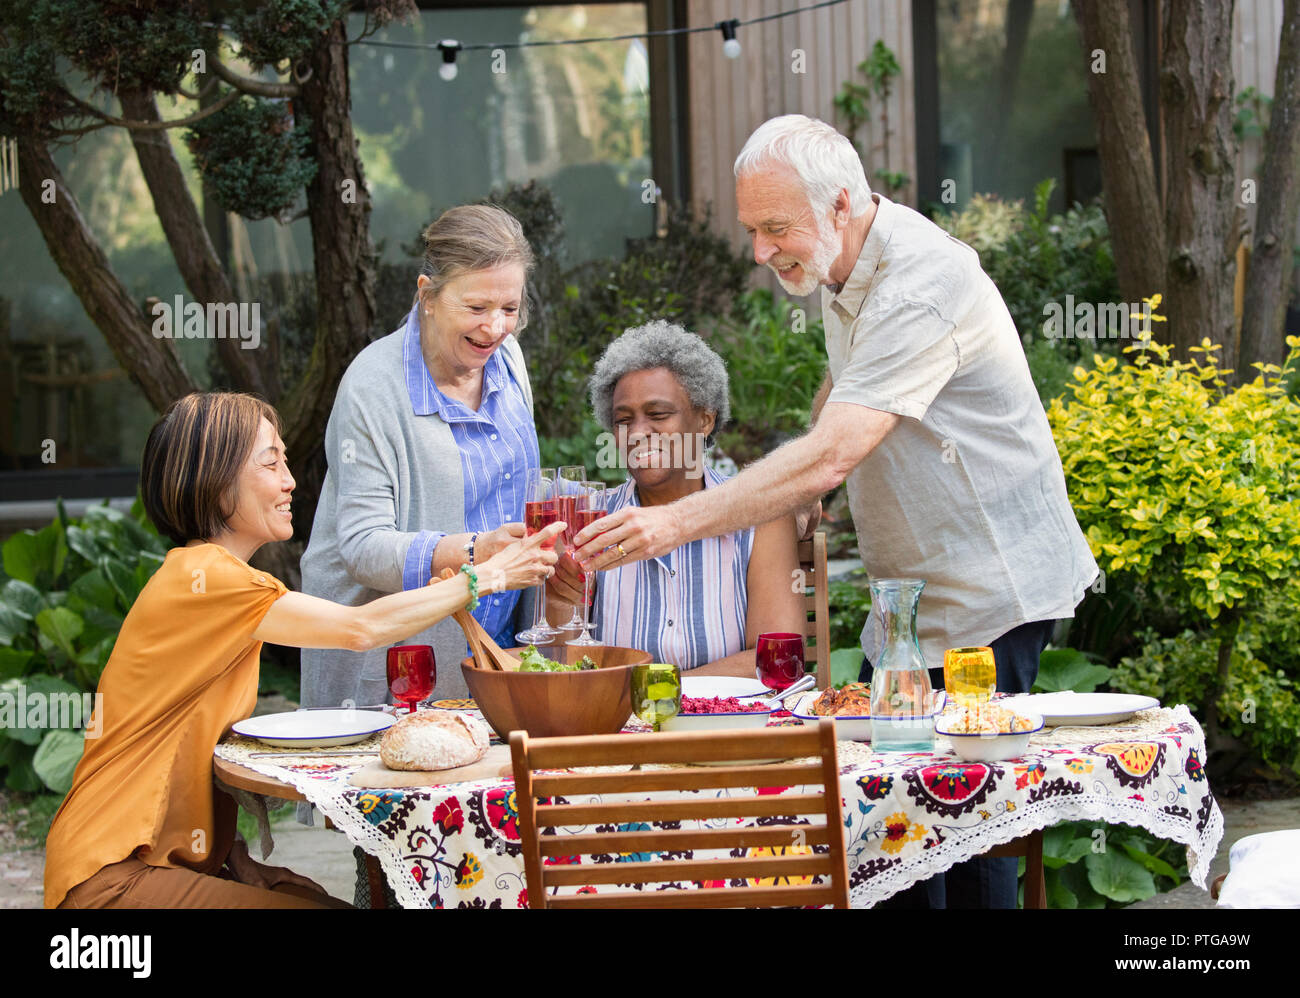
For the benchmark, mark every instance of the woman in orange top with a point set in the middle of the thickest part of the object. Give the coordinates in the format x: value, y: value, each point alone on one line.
x: 143, y: 826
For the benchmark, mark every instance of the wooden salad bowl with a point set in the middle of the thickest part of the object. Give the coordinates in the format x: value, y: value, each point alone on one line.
x: 545, y: 704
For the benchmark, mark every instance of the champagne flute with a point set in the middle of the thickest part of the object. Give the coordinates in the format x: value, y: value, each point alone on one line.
x: 540, y: 511
x: 591, y: 507
x: 970, y: 675
x: 779, y: 660
x: 568, y: 487
x: 412, y: 672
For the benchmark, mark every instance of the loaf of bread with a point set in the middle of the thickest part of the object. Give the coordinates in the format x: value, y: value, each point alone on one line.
x: 430, y: 740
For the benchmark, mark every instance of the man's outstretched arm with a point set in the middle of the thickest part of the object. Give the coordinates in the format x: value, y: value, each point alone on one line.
x: 788, y: 479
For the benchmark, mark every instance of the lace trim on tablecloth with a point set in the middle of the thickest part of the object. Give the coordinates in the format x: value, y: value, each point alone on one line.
x: 331, y: 796
x: 1146, y: 724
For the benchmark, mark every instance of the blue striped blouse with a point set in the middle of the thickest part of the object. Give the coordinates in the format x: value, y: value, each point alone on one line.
x: 689, y: 606
x: 498, y: 445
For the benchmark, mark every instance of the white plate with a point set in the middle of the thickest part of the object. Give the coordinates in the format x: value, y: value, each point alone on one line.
x: 720, y: 686
x: 1081, y: 708
x: 314, y: 728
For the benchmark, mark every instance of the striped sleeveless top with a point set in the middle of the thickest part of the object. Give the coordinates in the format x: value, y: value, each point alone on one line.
x: 688, y: 607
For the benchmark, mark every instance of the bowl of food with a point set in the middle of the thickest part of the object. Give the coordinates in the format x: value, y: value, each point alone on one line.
x: 562, y: 695
x: 988, y: 732
x: 715, y: 713
x: 850, y: 706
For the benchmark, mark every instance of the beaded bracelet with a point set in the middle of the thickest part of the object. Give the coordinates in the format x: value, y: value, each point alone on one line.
x: 473, y: 587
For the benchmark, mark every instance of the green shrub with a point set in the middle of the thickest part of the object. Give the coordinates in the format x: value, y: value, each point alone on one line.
x: 775, y: 359
x: 1258, y: 704
x: 66, y: 590
x: 1035, y: 259
x: 1189, y: 492
x: 850, y: 602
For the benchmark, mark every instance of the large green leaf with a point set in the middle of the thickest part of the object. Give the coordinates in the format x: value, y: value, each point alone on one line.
x: 12, y: 623
x: 23, y: 598
x: 29, y: 705
x: 845, y: 665
x: 1075, y: 877
x: 87, y: 544
x: 1118, y: 877
x: 92, y: 589
x: 56, y: 759
x: 1153, y: 863
x: 94, y: 658
x: 1062, y: 845
x: 36, y: 557
x: 25, y: 556
x: 122, y: 579
x: 13, y: 661
x: 1067, y: 669
x: 62, y: 626
x: 1058, y: 894
x: 21, y: 776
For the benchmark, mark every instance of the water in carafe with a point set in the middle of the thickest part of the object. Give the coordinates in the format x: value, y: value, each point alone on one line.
x: 901, y: 696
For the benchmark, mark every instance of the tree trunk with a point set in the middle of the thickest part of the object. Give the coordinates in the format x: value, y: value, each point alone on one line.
x: 1132, y: 196
x: 1202, y: 217
x: 342, y: 252
x: 195, y: 256
x: 153, y: 364
x: 1268, y: 280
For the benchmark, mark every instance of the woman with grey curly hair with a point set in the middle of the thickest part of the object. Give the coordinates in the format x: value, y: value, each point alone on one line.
x: 663, y: 393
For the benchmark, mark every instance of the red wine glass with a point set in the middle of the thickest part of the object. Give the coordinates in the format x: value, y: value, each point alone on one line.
x: 779, y: 660
x: 411, y: 673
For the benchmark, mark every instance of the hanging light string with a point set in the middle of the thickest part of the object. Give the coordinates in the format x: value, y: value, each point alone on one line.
x: 731, y: 47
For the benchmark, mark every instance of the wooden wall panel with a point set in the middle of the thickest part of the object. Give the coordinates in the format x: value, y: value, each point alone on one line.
x: 729, y: 98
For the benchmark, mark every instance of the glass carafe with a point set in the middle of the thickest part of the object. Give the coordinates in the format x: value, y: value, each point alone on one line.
x: 902, y: 701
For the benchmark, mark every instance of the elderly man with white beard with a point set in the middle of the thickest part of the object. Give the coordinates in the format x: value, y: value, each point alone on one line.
x: 928, y: 411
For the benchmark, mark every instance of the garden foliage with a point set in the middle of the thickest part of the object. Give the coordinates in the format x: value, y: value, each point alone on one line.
x: 63, y: 596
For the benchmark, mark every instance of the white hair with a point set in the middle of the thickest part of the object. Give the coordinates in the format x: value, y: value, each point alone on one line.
x: 823, y: 159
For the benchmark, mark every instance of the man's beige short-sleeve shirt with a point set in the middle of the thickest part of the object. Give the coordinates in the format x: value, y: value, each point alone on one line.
x: 966, y: 491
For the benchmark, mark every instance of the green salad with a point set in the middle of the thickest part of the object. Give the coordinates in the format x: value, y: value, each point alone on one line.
x: 534, y: 661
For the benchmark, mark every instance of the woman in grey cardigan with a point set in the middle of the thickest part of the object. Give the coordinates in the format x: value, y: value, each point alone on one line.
x: 429, y: 446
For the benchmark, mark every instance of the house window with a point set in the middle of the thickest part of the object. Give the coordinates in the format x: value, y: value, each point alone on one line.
x: 1002, y: 100
x: 574, y: 117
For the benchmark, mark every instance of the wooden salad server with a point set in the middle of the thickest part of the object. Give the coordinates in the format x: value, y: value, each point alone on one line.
x: 487, y: 653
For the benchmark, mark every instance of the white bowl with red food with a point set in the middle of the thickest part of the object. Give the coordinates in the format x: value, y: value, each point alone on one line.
x: 717, y: 712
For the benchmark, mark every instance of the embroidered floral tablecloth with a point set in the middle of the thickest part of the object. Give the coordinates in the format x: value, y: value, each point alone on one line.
x: 907, y: 815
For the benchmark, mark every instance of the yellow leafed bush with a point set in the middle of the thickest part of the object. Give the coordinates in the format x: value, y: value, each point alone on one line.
x: 1181, y: 482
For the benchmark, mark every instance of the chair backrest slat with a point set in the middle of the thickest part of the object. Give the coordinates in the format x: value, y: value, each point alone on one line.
x: 747, y: 806
x: 692, y: 746
x: 812, y: 562
x: 711, y: 897
x: 676, y: 839
x: 717, y: 777
x: 696, y: 870
x: 768, y: 856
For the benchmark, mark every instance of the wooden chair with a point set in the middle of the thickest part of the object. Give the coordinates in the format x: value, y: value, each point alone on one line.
x: 812, y: 561
x: 543, y: 824
x: 1031, y: 847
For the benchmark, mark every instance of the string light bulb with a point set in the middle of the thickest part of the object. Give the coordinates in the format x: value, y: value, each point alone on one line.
x: 449, y: 48
x: 730, y: 47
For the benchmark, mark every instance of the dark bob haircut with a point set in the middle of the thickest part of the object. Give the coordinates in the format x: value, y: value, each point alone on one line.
x: 193, y: 458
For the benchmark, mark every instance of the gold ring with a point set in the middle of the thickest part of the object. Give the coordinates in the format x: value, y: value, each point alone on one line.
x: 621, y: 552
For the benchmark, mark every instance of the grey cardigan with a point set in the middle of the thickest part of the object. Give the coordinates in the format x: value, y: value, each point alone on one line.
x: 391, y: 474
